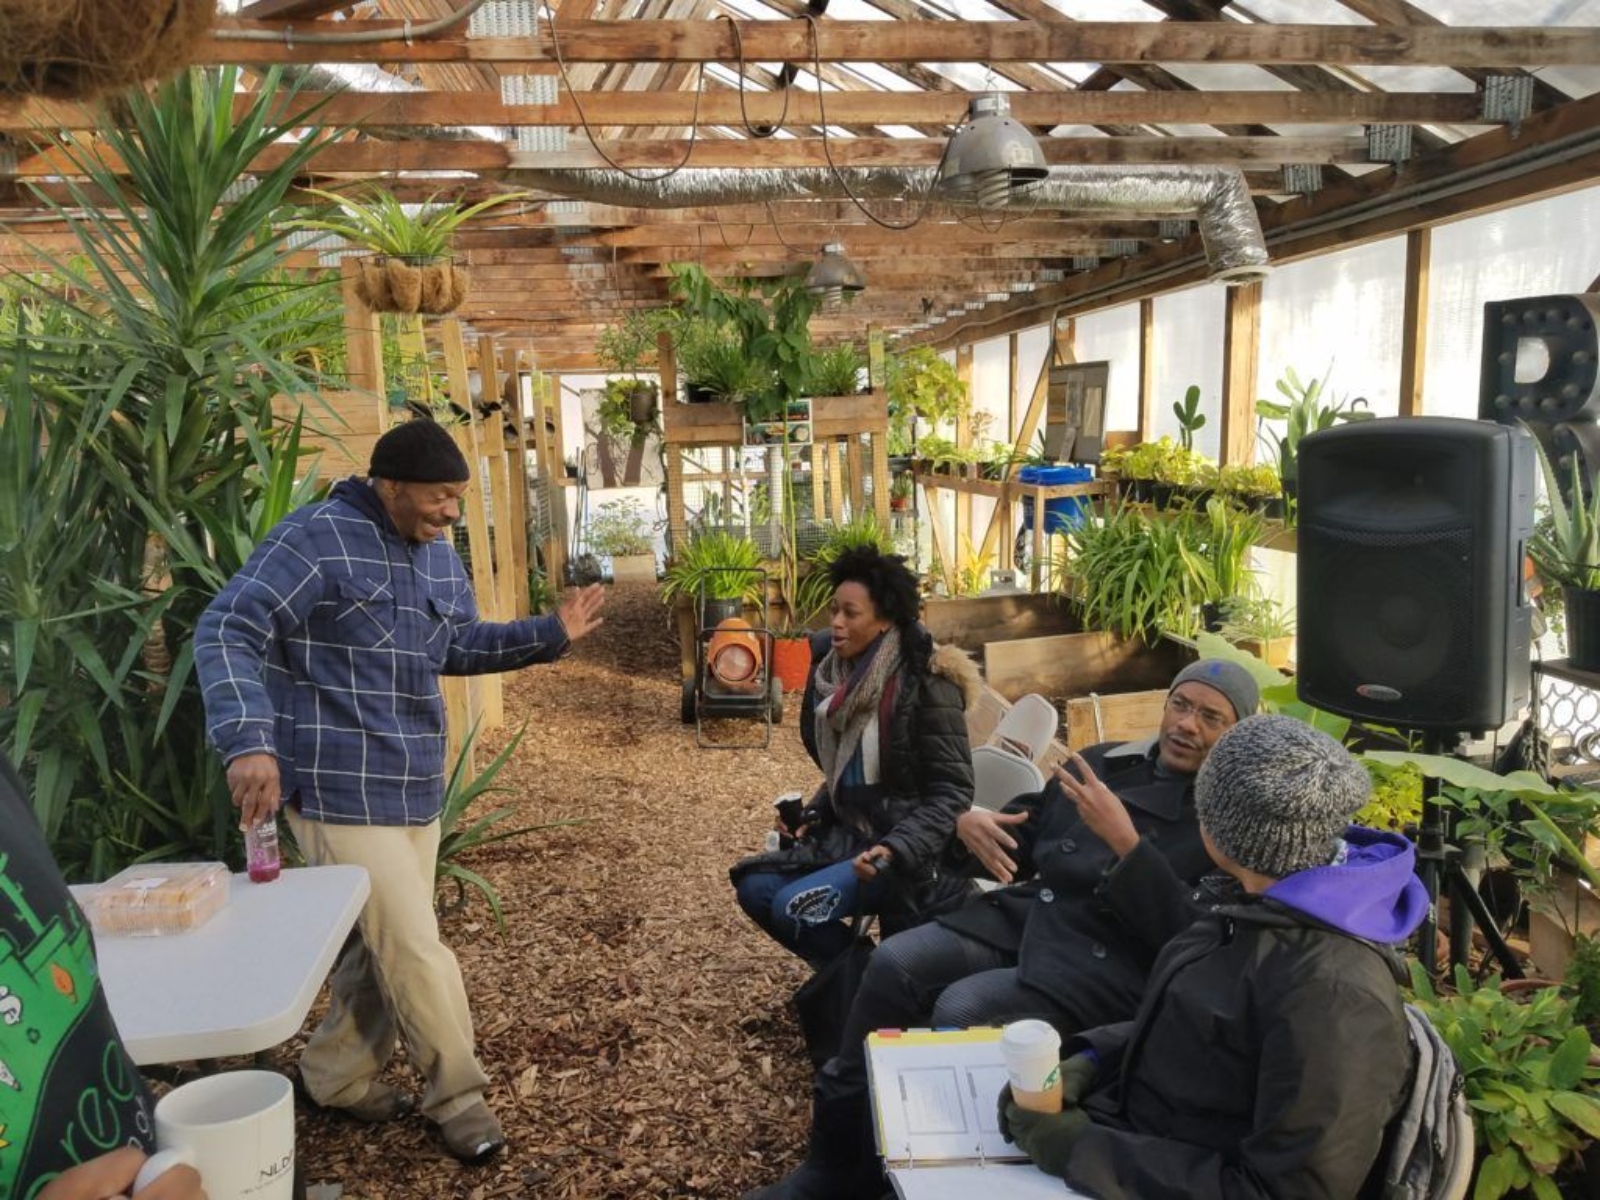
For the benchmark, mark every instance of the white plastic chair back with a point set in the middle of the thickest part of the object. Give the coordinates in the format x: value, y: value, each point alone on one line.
x: 1028, y: 727
x: 999, y: 777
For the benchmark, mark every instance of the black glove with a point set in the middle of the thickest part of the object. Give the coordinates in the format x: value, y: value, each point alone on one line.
x: 1077, y: 1077
x: 1046, y: 1138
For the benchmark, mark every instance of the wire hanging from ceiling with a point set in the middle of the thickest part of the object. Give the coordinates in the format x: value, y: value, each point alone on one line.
x: 588, y: 132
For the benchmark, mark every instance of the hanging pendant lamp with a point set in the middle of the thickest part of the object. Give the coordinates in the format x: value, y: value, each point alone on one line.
x: 991, y: 158
x: 832, y: 275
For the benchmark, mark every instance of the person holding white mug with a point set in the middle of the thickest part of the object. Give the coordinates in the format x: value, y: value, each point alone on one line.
x: 76, y: 1120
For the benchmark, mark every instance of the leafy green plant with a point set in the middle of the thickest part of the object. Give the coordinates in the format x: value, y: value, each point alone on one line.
x: 618, y: 408
x: 919, y: 383
x: 460, y: 835
x: 836, y: 372
x: 1228, y: 537
x: 1255, y: 619
x: 630, y: 345
x: 1582, y: 978
x: 716, y: 564
x: 620, y: 527
x: 1304, y: 411
x: 141, y: 458
x: 1396, y: 799
x: 1528, y: 1080
x: 1138, y: 576
x: 541, y: 596
x: 1249, y: 484
x: 1566, y: 548
x: 903, y: 486
x: 375, y: 220
x: 815, y: 592
x: 1190, y: 418
x: 716, y: 362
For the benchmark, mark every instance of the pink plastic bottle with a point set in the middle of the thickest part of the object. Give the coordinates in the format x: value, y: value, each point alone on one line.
x: 261, y: 850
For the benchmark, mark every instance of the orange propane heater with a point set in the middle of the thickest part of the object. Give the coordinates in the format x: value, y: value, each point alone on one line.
x: 733, y: 656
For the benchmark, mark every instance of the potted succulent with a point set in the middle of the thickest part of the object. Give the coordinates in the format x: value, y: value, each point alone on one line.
x: 621, y: 531
x: 1303, y: 412
x: 411, y: 269
x: 900, y: 492
x: 1190, y: 418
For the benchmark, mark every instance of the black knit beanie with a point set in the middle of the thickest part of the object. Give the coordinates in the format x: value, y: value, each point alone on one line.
x: 420, y: 451
x: 1275, y: 795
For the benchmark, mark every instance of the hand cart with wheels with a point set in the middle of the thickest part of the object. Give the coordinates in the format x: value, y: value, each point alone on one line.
x: 733, y: 674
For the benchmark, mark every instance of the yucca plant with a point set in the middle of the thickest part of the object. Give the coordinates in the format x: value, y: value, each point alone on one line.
x: 457, y: 839
x: 142, y: 459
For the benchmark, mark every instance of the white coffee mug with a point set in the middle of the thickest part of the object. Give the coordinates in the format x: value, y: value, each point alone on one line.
x: 239, y: 1126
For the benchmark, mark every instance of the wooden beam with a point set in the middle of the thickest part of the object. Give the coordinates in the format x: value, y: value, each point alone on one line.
x: 848, y: 109
x: 1241, y: 352
x: 947, y: 41
x: 1147, y: 372
x: 1414, y: 322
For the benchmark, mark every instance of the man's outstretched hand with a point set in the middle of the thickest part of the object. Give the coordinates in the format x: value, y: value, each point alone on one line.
x: 579, y: 613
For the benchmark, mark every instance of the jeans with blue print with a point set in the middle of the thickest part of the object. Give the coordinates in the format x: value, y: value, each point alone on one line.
x: 810, y: 914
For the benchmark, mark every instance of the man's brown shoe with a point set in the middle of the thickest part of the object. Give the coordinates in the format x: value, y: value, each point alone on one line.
x: 473, y: 1136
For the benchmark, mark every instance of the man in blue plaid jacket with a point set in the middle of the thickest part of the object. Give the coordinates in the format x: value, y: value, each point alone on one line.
x: 320, y: 663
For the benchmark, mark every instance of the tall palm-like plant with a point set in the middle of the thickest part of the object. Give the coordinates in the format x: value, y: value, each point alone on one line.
x: 138, y: 379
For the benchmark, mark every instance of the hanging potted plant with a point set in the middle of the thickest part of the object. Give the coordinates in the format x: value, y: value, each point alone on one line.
x: 410, y: 270
x: 627, y: 348
x: 1566, y: 550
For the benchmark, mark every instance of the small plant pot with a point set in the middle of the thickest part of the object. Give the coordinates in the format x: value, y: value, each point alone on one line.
x: 1273, y: 508
x: 791, y: 661
x: 1143, y: 490
x: 1200, y: 496
x: 1583, y: 629
x: 698, y: 393
x: 633, y: 568
x: 1160, y: 494
x: 899, y: 503
x: 1211, y: 616
x: 642, y: 403
x: 715, y: 611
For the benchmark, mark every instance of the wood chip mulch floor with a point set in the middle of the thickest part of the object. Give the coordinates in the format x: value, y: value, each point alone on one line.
x: 635, y: 1025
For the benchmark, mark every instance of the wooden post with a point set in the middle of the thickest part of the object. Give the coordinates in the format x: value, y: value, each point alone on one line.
x: 1414, y: 323
x: 963, y: 529
x: 516, y: 461
x: 855, y: 473
x: 493, y: 444
x: 363, y: 341
x: 1147, y: 372
x: 1241, y: 350
x: 483, y: 573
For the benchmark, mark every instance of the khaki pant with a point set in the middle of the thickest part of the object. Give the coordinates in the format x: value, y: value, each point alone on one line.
x: 396, y: 977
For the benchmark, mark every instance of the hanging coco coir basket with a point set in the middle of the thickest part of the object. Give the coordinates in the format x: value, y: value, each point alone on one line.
x: 75, y: 49
x: 405, y: 284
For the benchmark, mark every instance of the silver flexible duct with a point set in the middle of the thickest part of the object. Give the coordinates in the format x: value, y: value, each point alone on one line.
x: 1217, y: 197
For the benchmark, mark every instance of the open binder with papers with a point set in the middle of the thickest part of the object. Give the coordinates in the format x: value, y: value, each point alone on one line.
x: 933, y: 1100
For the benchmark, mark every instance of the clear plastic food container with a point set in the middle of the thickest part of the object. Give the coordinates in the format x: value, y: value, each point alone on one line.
x: 158, y: 898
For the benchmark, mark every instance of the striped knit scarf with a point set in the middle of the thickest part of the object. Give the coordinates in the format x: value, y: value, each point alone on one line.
x: 847, y: 702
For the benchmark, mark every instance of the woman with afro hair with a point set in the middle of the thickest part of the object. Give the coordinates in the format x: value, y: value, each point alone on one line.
x: 884, y: 719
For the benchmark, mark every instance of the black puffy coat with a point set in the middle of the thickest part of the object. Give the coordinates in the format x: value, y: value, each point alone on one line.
x: 1087, y: 927
x: 1266, y: 1060
x: 926, y: 778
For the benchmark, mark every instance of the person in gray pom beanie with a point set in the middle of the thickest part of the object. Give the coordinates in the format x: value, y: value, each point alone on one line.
x: 1274, y: 795
x: 1270, y: 1052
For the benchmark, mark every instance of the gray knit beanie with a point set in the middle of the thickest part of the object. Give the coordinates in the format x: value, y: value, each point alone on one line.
x: 1229, y: 678
x: 1275, y: 795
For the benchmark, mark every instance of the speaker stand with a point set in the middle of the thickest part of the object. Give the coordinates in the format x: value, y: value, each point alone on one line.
x: 1453, y: 870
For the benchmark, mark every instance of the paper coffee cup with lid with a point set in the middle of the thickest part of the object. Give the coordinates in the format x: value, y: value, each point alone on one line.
x: 1032, y: 1052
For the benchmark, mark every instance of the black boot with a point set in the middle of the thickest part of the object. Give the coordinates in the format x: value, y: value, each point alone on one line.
x: 841, y: 1160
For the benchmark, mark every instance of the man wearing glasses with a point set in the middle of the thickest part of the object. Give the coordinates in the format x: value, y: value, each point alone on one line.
x: 1101, y: 869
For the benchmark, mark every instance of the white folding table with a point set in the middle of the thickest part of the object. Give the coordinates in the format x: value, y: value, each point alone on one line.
x: 244, y: 980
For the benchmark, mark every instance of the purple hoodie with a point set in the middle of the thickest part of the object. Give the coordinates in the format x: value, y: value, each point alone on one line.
x: 1374, y: 894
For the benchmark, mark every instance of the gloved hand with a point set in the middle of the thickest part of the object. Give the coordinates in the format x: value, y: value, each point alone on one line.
x: 1046, y: 1138
x: 1077, y: 1077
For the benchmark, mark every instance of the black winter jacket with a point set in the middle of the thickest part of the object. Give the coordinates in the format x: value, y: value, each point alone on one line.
x: 926, y: 784
x: 1268, y: 1057
x: 1087, y: 928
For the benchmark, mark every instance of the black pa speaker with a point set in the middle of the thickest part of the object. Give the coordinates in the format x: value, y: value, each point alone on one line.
x: 1412, y: 611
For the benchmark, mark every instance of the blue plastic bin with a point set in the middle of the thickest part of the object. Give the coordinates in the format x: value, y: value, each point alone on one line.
x: 1063, y: 513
